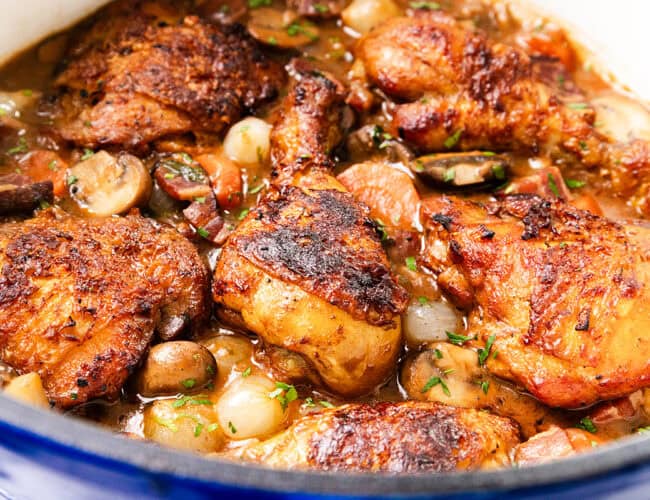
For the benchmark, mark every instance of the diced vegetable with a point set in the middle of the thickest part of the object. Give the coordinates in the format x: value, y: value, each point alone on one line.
x: 43, y: 165
x: 105, y: 185
x: 204, y: 215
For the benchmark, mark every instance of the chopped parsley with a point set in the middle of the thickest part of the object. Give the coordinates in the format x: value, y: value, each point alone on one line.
x: 201, y: 399
x: 255, y: 4
x: 643, y: 430
x: 232, y: 427
x: 457, y: 339
x: 438, y: 353
x: 256, y: 189
x: 434, y: 381
x: 411, y: 264
x: 484, y: 353
x: 577, y: 105
x: 418, y: 166
x: 453, y: 139
x: 53, y: 166
x: 199, y: 199
x: 188, y: 383
x: 423, y: 300
x: 212, y: 427
x: 284, y: 393
x: 202, y: 232
x: 198, y: 429
x: 19, y: 148
x: 72, y: 179
x: 243, y: 213
x: 574, y: 184
x: 246, y: 372
x: 488, y: 153
x: 295, y: 29
x: 326, y: 404
x: 309, y: 402
x: 425, y: 5
x: 587, y: 424
x: 449, y: 175
x: 382, y: 230
x: 553, y: 186
x: 485, y: 386
x: 320, y: 8
x: 499, y: 171
x: 272, y: 40
x: 170, y: 424
x: 87, y: 154
x: 73, y: 396
x: 27, y: 92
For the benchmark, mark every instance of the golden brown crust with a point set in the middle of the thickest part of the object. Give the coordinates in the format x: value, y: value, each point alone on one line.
x: 457, y: 89
x: 406, y: 437
x: 145, y: 80
x: 325, y: 243
x: 80, y: 299
x: 308, y: 127
x: 564, y: 292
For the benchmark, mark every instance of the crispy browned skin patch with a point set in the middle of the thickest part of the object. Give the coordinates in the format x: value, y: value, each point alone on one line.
x: 132, y: 80
x: 458, y: 89
x: 564, y: 293
x: 306, y: 269
x: 80, y: 299
x: 390, y: 437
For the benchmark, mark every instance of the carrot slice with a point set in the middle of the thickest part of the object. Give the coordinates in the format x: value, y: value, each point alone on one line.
x: 225, y: 178
x: 45, y: 165
x: 388, y: 192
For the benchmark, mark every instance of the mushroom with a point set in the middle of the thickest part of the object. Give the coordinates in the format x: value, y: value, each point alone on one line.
x: 462, y: 169
x: 176, y: 367
x: 373, y: 138
x: 181, y: 178
x: 281, y: 29
x: 104, y: 184
x: 19, y: 194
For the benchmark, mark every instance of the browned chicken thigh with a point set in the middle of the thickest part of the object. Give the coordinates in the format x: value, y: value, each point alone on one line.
x: 305, y: 270
x: 390, y: 437
x: 133, y: 78
x: 80, y: 299
x: 558, y: 296
x: 456, y: 89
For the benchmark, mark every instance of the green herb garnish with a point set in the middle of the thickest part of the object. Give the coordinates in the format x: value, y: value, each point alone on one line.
x: 457, y: 339
x: 434, y: 381
x: 553, y: 186
x: 484, y: 353
x: 574, y: 184
x: 188, y: 383
x: 587, y: 424
x: 284, y: 393
x: 411, y: 264
x: 453, y: 139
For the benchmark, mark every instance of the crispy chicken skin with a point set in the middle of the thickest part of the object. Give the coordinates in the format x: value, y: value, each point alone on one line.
x: 457, y: 89
x: 305, y: 269
x: 80, y: 299
x: 133, y: 79
x: 405, y: 437
x: 564, y: 293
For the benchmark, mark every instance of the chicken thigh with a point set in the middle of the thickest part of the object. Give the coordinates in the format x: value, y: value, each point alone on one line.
x: 457, y: 89
x: 305, y: 270
x: 558, y: 296
x: 389, y: 437
x: 80, y: 299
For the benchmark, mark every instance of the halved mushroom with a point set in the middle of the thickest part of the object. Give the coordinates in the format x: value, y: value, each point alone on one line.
x: 182, y: 180
x: 18, y: 193
x: 105, y: 185
x: 462, y: 169
x: 281, y: 28
x: 372, y: 139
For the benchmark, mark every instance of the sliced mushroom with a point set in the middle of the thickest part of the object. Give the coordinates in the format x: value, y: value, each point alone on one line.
x: 323, y: 9
x: 373, y: 139
x: 19, y: 194
x: 281, y: 29
x: 105, y: 185
x: 462, y: 169
x: 182, y: 180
